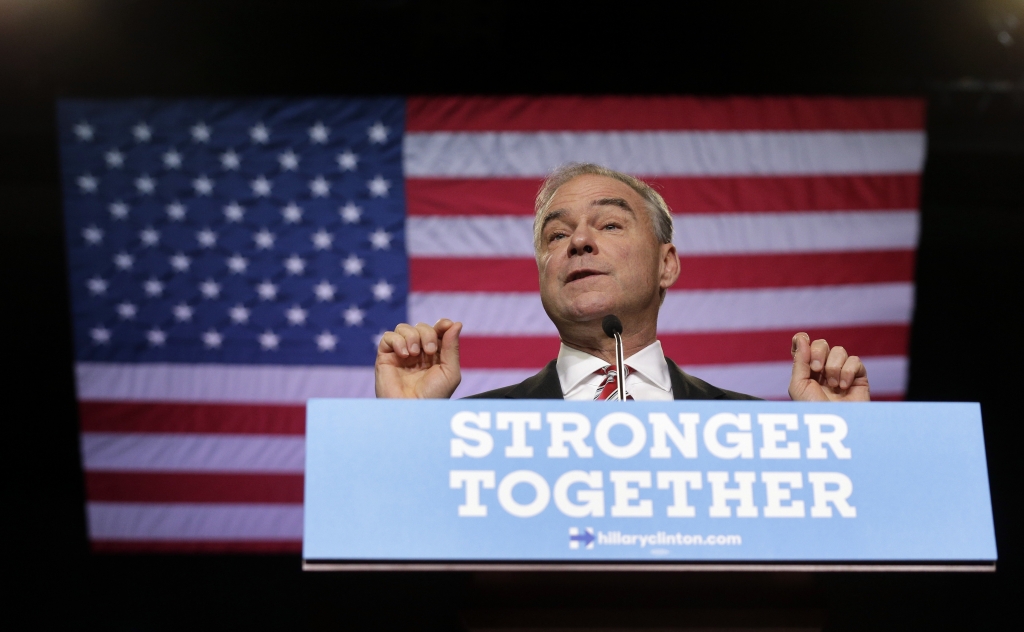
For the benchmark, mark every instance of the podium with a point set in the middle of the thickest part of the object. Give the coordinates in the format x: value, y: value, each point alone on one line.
x: 680, y: 485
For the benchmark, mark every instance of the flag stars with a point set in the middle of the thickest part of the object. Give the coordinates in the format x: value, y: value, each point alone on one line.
x: 319, y: 187
x: 237, y: 264
x: 269, y: 340
x: 83, y: 131
x: 292, y: 213
x: 92, y: 234
x: 114, y: 159
x: 87, y: 183
x: 180, y: 262
x: 264, y: 239
x: 348, y: 160
x: 259, y: 133
x: 350, y: 213
x: 261, y: 186
x: 296, y: 315
x: 324, y: 291
x: 353, y: 316
x: 156, y: 337
x: 318, y: 133
x: 145, y: 185
x: 142, y: 133
x: 123, y: 261
x: 239, y: 314
x: 206, y: 238
x: 118, y: 210
x: 353, y: 265
x: 203, y: 185
x: 378, y: 133
x: 379, y: 187
x: 380, y: 239
x: 322, y: 239
x: 326, y: 341
x: 153, y: 287
x: 99, y: 335
x: 230, y: 160
x: 172, y: 159
x: 200, y: 132
x: 212, y: 339
x: 183, y: 312
x: 209, y: 288
x: 288, y: 160
x: 149, y: 236
x: 126, y: 310
x: 382, y: 290
x: 295, y: 264
x: 234, y: 212
x: 97, y: 285
x: 176, y: 211
x: 267, y: 291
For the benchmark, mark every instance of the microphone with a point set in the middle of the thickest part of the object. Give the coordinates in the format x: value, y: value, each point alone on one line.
x: 612, y: 327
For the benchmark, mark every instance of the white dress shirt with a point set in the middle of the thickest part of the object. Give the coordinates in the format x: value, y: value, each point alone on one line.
x: 648, y: 377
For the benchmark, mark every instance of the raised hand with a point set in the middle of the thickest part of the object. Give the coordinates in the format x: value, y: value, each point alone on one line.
x: 419, y: 361
x: 821, y: 374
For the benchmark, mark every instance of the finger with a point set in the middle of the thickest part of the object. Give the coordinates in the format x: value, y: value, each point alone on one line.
x: 853, y: 369
x: 392, y: 342
x: 412, y: 337
x: 801, y: 351
x: 450, y: 343
x: 428, y: 338
x: 819, y: 353
x: 834, y: 365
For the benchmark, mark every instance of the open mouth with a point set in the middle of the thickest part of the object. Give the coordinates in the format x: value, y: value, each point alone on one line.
x: 581, y: 274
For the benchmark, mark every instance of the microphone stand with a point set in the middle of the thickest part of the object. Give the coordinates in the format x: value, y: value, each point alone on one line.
x: 613, y: 329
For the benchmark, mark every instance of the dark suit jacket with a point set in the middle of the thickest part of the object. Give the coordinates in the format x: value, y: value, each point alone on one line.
x: 545, y: 385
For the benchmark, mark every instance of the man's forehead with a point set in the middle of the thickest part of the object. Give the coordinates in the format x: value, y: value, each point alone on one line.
x: 589, y: 189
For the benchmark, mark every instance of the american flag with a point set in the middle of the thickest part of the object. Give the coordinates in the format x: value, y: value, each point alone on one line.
x: 231, y: 259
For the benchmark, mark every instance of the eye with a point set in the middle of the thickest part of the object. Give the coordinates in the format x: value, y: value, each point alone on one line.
x: 610, y: 227
x: 556, y: 236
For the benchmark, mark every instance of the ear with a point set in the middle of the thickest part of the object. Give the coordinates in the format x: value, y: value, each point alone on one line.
x: 670, y: 266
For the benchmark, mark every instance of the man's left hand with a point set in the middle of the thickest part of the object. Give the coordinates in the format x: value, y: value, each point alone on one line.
x: 821, y: 374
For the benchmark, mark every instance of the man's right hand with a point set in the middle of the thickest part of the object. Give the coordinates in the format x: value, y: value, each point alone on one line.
x: 419, y: 361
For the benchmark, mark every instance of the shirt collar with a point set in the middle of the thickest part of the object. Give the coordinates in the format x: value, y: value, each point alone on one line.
x: 575, y: 366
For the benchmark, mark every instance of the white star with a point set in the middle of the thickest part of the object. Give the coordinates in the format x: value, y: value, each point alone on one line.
x: 269, y: 340
x: 176, y: 211
x: 347, y: 160
x: 145, y: 184
x: 237, y: 264
x: 114, y: 158
x: 96, y: 285
x: 292, y: 213
x: 322, y: 239
x: 156, y: 337
x: 379, y: 187
x: 123, y: 261
x: 83, y: 131
x: 202, y: 185
x: 319, y: 187
x: 172, y: 159
x: 149, y: 236
x: 295, y: 265
x: 153, y: 287
x: 324, y: 291
x: 378, y: 133
x: 230, y: 160
x: 183, y: 312
x: 87, y: 183
x: 382, y: 290
x: 200, y: 132
x: 126, y: 310
x: 267, y: 290
x: 92, y: 234
x: 318, y: 133
x: 239, y: 314
x: 212, y: 339
x: 180, y: 262
x: 259, y: 133
x: 234, y: 212
x: 353, y: 265
x: 260, y: 187
x: 380, y: 239
x: 289, y: 160
x: 353, y: 316
x: 100, y: 335
x: 142, y: 133
x: 206, y: 238
x: 264, y: 239
x: 296, y: 315
x: 209, y: 288
x: 326, y: 341
x: 118, y: 210
x: 350, y: 213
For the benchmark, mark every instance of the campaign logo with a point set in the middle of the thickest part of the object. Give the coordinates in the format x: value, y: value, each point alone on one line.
x: 586, y: 538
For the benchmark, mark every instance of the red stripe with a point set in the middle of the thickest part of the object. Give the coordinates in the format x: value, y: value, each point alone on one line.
x: 193, y: 488
x: 514, y: 196
x: 706, y: 272
x: 528, y: 114
x: 523, y: 352
x: 189, y: 546
x: 216, y: 418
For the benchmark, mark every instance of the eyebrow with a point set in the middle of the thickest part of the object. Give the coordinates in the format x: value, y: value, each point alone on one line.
x: 619, y: 202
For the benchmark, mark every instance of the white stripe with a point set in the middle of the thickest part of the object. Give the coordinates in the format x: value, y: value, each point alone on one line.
x: 181, y: 521
x: 663, y: 153
x: 178, y: 452
x: 698, y: 234
x: 270, y: 384
x: 688, y: 311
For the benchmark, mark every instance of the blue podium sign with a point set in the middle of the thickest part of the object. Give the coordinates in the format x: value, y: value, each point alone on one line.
x: 554, y: 484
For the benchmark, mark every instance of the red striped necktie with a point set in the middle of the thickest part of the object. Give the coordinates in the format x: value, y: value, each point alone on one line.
x: 609, y: 387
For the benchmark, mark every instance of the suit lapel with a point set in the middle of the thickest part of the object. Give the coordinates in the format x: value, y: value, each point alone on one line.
x: 688, y: 387
x: 544, y: 385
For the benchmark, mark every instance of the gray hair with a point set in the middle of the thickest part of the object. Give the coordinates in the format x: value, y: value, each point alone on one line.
x: 661, y: 216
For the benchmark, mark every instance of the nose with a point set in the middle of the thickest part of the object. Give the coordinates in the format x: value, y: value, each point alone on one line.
x: 582, y: 241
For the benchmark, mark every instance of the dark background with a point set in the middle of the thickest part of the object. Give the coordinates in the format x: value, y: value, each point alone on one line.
x: 966, y: 58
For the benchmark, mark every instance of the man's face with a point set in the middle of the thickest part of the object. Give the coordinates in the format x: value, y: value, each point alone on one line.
x: 599, y: 255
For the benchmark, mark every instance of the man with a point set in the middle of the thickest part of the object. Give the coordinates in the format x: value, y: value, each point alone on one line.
x: 603, y: 242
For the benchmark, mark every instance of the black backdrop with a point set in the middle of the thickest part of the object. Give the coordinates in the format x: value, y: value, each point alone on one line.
x: 966, y: 342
